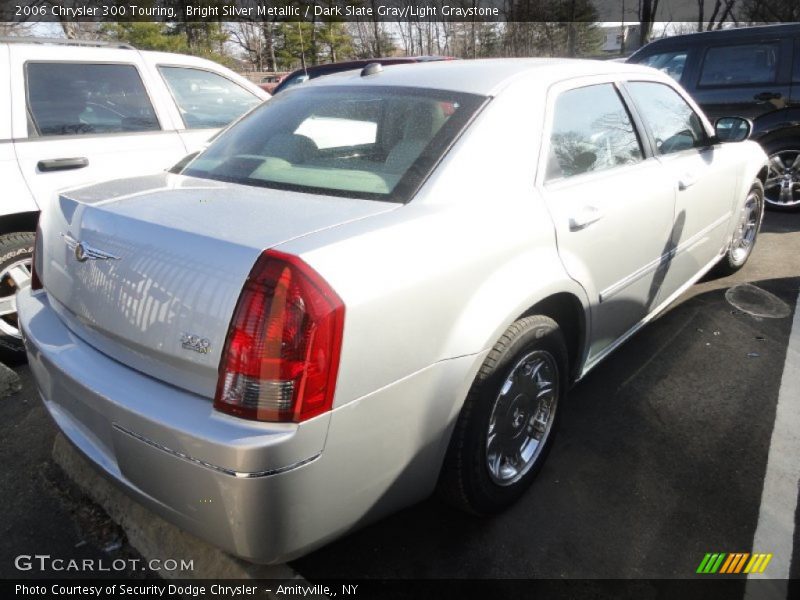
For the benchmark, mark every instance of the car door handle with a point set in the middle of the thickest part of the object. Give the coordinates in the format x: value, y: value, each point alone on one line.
x: 585, y: 217
x: 767, y: 96
x: 687, y: 181
x: 62, y: 164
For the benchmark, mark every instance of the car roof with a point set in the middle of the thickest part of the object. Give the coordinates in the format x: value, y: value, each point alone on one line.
x: 737, y: 33
x: 81, y: 49
x: 484, y: 77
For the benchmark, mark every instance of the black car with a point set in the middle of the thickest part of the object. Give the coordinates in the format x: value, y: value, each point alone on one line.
x: 302, y: 75
x: 752, y: 72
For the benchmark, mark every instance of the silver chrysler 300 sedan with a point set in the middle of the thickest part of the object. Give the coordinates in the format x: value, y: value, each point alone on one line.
x: 374, y: 285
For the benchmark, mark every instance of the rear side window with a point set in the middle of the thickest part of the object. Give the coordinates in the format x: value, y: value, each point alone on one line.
x: 740, y: 65
x: 674, y: 124
x: 592, y: 131
x: 671, y: 63
x: 207, y: 100
x: 76, y: 98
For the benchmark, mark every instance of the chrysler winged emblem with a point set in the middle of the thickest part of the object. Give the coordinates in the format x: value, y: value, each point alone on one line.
x: 84, y: 251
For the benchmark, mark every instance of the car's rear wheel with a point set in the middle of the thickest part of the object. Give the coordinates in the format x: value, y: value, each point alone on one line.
x: 16, y: 250
x: 746, y: 232
x: 509, y: 420
x: 782, y: 187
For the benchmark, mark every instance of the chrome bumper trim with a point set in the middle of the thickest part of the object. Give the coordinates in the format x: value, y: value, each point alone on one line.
x: 202, y: 463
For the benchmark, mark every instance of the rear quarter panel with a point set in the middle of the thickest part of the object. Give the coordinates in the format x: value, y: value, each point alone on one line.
x: 446, y: 274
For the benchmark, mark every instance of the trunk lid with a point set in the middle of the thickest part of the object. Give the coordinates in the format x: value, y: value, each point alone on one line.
x: 148, y: 270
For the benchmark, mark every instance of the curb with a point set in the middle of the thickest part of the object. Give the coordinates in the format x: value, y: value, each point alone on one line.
x: 9, y: 382
x: 152, y: 536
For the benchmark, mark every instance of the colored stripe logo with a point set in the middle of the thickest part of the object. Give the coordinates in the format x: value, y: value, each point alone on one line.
x: 732, y: 563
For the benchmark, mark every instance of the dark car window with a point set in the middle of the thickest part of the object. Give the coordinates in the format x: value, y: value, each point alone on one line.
x: 207, y: 100
x: 592, y: 131
x: 674, y: 124
x: 796, y: 68
x: 80, y: 98
x: 292, y: 80
x: 371, y: 142
x: 740, y: 65
x: 671, y: 63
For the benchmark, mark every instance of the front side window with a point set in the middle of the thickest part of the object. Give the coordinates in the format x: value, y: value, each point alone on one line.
x: 674, y: 124
x: 671, y: 63
x: 592, y: 131
x: 361, y: 142
x: 740, y: 65
x: 81, y: 98
x: 207, y: 100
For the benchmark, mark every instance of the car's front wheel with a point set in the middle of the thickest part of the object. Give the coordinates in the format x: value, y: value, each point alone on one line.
x: 16, y: 250
x: 782, y: 187
x: 508, y: 422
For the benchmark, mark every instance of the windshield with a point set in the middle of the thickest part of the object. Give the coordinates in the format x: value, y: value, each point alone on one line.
x: 360, y: 142
x: 292, y: 80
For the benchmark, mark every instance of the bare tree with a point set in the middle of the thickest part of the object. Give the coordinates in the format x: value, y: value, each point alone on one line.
x: 247, y: 35
x: 723, y: 9
x: 766, y: 11
x: 647, y: 16
x: 371, y: 39
x: 77, y: 30
x: 10, y: 28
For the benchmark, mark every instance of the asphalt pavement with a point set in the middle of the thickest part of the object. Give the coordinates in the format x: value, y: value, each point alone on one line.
x: 660, y: 459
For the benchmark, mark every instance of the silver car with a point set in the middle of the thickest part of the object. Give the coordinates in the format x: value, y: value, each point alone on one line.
x: 375, y: 285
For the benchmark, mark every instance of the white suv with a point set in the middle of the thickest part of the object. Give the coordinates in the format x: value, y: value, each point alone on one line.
x: 76, y: 112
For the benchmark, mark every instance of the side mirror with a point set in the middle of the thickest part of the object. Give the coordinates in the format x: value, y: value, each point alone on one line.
x: 733, y: 129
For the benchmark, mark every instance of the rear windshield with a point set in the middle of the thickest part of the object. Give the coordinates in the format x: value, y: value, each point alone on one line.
x: 360, y: 142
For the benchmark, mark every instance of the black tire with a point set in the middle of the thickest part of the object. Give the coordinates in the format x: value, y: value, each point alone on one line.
x: 785, y: 155
x: 14, y: 247
x: 466, y: 481
x: 734, y: 258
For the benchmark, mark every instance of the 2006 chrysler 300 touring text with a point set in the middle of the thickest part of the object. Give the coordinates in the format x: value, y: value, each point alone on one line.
x: 376, y: 284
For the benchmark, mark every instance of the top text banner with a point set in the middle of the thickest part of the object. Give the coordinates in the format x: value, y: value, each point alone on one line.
x: 352, y: 10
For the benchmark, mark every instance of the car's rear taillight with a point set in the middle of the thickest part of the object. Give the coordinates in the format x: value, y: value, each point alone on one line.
x: 281, y: 356
x: 36, y: 283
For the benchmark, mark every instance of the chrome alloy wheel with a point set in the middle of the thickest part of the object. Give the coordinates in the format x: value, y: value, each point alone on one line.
x: 13, y: 277
x: 782, y: 188
x: 746, y: 229
x: 522, y: 417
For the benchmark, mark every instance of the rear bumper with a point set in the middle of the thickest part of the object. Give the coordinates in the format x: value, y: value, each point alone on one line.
x: 229, y: 481
x: 265, y: 492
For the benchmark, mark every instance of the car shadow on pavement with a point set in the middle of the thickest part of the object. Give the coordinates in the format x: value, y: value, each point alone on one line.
x: 44, y: 512
x: 781, y: 222
x: 660, y: 458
